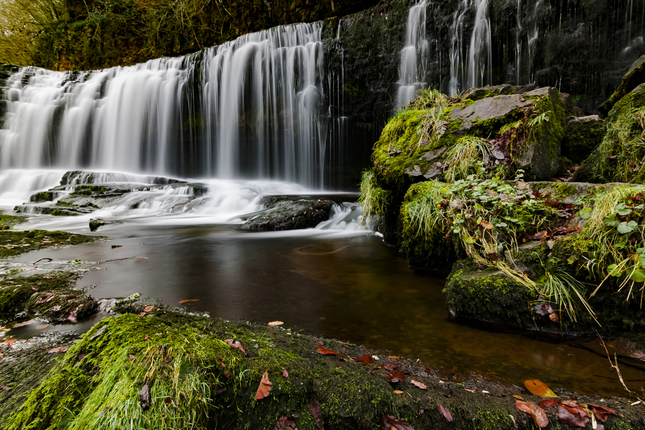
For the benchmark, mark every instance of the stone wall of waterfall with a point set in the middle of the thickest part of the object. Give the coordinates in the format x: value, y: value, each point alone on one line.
x: 305, y: 103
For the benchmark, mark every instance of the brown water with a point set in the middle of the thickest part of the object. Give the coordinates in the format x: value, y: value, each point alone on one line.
x: 352, y: 288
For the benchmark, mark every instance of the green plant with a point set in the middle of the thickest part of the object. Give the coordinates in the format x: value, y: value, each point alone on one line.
x: 465, y: 157
x: 374, y: 200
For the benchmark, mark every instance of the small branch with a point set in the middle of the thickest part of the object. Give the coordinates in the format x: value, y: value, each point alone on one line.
x: 614, y: 366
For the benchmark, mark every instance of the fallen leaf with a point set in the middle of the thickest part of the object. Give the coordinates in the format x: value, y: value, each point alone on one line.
x: 418, y: 384
x: 554, y: 317
x: 601, y: 412
x: 71, y: 317
x: 538, y: 388
x: 144, y: 397
x: 4, y: 388
x: 236, y: 344
x: 398, y: 392
x: 392, y: 423
x: 540, y: 235
x: 189, y: 300
x: 395, y: 376
x: 264, y: 388
x: 538, y: 414
x: 573, y: 417
x: 324, y: 351
x: 316, y: 412
x: 285, y: 423
x: 365, y: 359
x: 274, y: 323
x: 487, y: 225
x: 445, y: 412
x: 42, y: 326
x: 390, y: 365
x: 548, y: 404
x: 393, y: 356
x: 517, y: 397
x: 285, y: 373
x: 146, y: 337
x: 168, y: 400
x: 58, y: 349
x: 148, y: 308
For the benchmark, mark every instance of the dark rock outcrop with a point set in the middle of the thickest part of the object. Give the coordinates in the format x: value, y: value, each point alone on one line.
x: 286, y: 214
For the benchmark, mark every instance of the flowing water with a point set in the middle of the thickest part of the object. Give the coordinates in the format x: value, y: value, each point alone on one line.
x: 243, y: 120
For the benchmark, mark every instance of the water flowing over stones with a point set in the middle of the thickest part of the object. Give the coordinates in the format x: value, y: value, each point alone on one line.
x: 414, y: 56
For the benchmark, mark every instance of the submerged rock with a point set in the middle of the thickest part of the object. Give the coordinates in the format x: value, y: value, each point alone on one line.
x: 286, y: 214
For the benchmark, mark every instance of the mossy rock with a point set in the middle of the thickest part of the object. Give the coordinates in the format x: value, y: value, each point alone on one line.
x: 634, y: 77
x: 583, y: 135
x: 196, y: 376
x: 488, y: 295
x: 13, y: 243
x: 620, y: 155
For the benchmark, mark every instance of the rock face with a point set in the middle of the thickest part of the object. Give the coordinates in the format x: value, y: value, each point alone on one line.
x: 283, y: 213
x: 634, y: 77
x: 582, y: 136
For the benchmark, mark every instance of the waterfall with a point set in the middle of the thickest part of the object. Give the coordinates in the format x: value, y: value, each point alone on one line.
x: 414, y: 55
x: 470, y: 63
x: 249, y: 108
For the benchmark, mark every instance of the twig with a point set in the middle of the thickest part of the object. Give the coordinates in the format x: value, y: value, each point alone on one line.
x: 614, y: 365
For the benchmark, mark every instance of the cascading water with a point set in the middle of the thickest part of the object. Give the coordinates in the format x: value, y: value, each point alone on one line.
x: 470, y: 63
x: 254, y: 112
x: 414, y: 55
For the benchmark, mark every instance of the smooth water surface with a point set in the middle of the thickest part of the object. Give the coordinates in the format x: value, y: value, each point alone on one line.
x: 342, y: 285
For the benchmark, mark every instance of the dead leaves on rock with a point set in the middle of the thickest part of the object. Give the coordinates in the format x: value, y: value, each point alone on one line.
x: 418, y: 384
x: 445, y: 412
x: 324, y: 351
x: 264, y: 388
x: 236, y: 344
x: 365, y: 359
x: 390, y: 422
x: 395, y: 376
x: 538, y: 414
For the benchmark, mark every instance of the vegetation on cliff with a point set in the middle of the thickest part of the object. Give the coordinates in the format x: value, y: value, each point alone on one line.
x: 91, y: 34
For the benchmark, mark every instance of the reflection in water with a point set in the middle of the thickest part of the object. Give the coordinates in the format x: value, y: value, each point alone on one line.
x: 352, y: 288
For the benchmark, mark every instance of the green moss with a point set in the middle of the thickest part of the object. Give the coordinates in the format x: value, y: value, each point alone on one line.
x: 13, y: 243
x: 45, y: 196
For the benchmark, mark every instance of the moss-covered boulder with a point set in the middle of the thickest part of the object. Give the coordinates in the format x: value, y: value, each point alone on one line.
x: 634, y: 77
x: 171, y: 371
x: 582, y: 136
x: 621, y: 154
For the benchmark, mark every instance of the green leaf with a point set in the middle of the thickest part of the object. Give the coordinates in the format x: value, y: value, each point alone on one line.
x: 623, y: 210
x: 614, y: 271
x: 610, y: 221
x: 626, y: 228
x: 641, y: 260
x: 585, y: 214
x: 638, y: 275
x: 469, y: 239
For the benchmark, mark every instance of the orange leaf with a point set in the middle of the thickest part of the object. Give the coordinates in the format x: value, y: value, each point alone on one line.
x: 189, y: 300
x: 538, y: 414
x: 487, y: 225
x: 264, y: 388
x: 324, y: 351
x: 274, y: 323
x: 418, y: 384
x: 538, y: 388
x: 365, y: 359
x: 398, y: 392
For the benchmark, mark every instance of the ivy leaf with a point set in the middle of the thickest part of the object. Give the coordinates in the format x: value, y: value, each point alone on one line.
x: 638, y: 275
x: 626, y: 228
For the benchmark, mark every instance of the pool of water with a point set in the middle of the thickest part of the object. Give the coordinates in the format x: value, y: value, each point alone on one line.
x: 340, y: 284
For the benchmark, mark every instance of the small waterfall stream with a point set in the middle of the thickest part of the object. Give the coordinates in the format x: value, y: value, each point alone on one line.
x: 414, y: 55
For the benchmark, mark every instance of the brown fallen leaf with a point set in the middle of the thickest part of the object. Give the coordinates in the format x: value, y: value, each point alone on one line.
x: 548, y: 404
x: 445, y: 412
x: 4, y: 388
x: 572, y: 416
x: 264, y: 388
x: 398, y: 392
x: 236, y: 344
x: 365, y: 359
x: 538, y: 388
x: 392, y: 423
x: 601, y: 412
x: 390, y: 365
x: 487, y: 225
x: 538, y: 414
x: 275, y: 323
x: 188, y: 300
x: 418, y: 384
x: 168, y: 400
x: 316, y: 412
x: 58, y: 349
x: 285, y: 373
x: 148, y: 308
x: 22, y: 324
x: 395, y: 376
x: 324, y: 351
x: 286, y: 423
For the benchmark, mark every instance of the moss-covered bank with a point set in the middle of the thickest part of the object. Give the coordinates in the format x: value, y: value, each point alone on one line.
x: 202, y: 373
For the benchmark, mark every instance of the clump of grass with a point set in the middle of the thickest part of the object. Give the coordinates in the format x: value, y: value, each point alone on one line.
x: 465, y: 158
x: 560, y: 286
x: 374, y: 200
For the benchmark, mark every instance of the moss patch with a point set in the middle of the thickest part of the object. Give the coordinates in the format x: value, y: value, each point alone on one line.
x: 13, y: 243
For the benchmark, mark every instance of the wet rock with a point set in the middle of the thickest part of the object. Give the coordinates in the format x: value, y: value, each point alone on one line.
x: 285, y: 214
x: 634, y: 76
x: 583, y: 135
x: 96, y: 223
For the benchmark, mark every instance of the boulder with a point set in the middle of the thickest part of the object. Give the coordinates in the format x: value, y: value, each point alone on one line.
x: 283, y: 213
x: 583, y: 135
x: 634, y: 76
